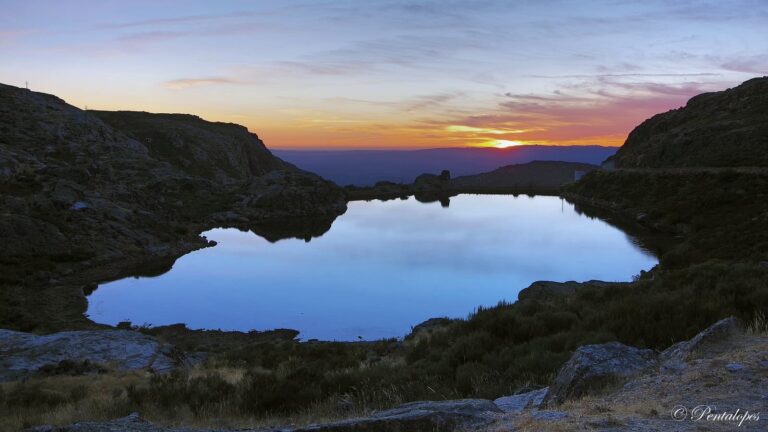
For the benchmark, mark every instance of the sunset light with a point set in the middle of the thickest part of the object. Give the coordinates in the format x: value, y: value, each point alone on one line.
x: 505, y: 143
x: 383, y: 80
x: 479, y: 130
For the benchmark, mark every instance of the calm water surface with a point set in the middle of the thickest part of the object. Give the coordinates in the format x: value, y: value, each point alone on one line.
x: 382, y: 268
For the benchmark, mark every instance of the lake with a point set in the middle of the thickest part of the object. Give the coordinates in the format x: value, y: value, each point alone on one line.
x: 382, y: 268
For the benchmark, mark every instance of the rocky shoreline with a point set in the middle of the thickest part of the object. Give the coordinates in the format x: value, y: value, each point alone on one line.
x: 91, y: 196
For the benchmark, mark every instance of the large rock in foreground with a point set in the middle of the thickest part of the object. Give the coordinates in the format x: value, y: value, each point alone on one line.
x: 424, y: 416
x: 678, y: 354
x: 22, y: 354
x: 593, y: 367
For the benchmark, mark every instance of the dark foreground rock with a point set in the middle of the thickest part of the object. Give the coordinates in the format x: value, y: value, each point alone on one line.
x: 679, y: 353
x: 131, y: 423
x: 22, y: 354
x: 592, y: 367
x: 425, y: 416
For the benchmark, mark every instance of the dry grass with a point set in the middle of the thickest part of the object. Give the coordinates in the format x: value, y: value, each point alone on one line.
x: 759, y: 325
x: 229, y: 374
x: 94, y: 397
x: 62, y: 400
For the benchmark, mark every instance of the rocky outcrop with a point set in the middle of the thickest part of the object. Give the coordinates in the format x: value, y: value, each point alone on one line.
x: 593, y: 367
x: 720, y: 129
x: 23, y: 354
x: 220, y: 152
x: 515, y: 404
x: 676, y: 356
x: 547, y: 290
x: 726, y: 377
x: 432, y: 182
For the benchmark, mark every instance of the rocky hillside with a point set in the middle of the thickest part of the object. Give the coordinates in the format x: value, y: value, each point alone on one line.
x: 89, y: 196
x: 721, y: 129
x: 222, y: 152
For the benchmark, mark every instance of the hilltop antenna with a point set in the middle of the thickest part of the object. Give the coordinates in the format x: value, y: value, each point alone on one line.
x: 26, y: 84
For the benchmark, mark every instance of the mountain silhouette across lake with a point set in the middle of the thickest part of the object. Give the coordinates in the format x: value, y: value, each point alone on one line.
x: 366, y: 167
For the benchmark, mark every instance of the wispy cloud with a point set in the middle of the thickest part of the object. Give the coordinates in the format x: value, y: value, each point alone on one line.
x: 185, y: 83
x: 595, y: 111
x: 630, y: 75
x: 757, y: 65
x: 136, y: 39
x: 401, y: 51
x: 430, y: 102
x: 190, y: 19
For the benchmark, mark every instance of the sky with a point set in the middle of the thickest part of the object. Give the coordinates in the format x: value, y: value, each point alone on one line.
x: 389, y: 74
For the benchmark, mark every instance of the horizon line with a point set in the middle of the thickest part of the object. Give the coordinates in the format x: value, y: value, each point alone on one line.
x: 407, y: 149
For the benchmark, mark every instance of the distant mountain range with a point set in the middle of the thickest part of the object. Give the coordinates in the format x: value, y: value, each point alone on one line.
x: 366, y: 167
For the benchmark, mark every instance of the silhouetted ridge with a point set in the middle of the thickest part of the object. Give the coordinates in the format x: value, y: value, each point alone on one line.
x: 721, y: 129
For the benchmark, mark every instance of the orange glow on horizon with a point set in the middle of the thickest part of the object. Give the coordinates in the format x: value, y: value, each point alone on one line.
x: 404, y: 137
x: 316, y: 129
x: 503, y: 143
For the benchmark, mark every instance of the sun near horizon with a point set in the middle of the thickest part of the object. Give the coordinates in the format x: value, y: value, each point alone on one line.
x: 506, y: 143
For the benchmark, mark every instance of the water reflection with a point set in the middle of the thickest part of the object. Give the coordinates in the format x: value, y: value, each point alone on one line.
x: 383, y: 267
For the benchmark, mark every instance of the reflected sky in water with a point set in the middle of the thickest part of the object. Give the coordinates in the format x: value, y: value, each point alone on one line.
x: 382, y: 268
